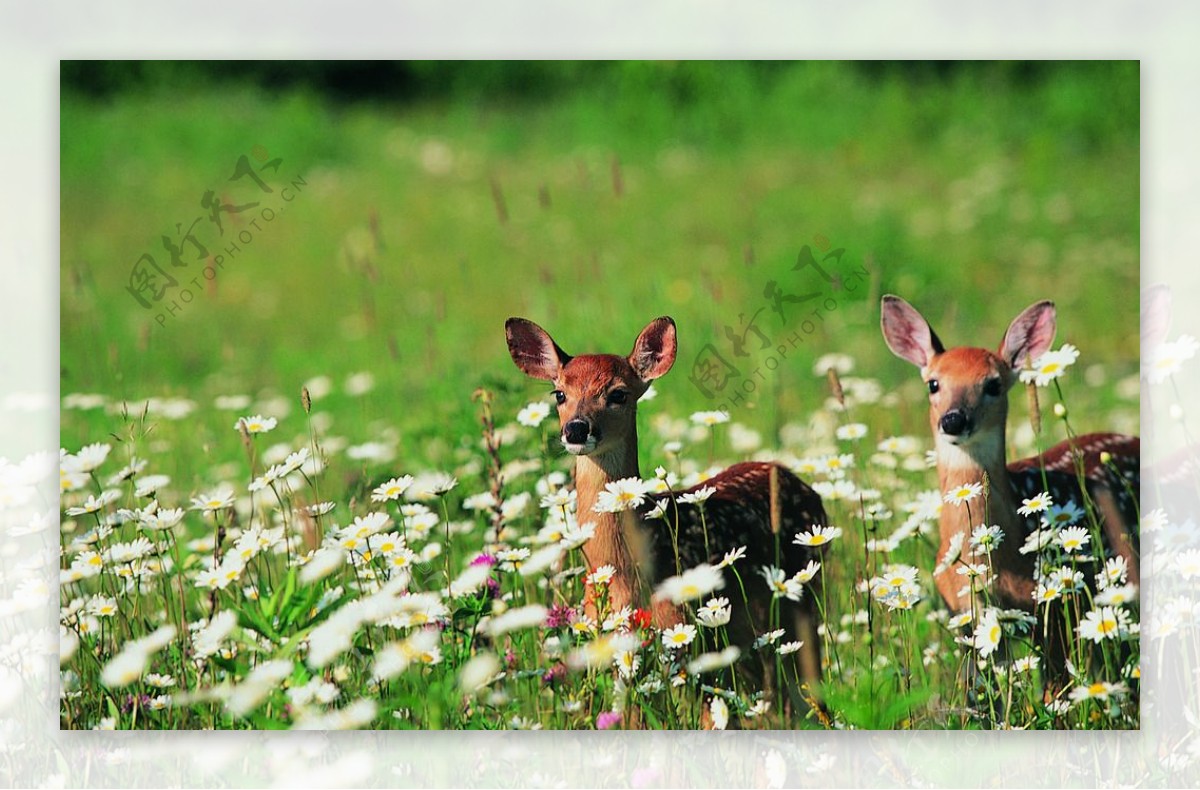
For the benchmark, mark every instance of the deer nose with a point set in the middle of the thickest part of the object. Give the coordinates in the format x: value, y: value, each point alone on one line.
x: 955, y: 423
x: 576, y: 431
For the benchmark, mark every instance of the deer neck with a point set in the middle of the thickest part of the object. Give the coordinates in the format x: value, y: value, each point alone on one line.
x: 615, y: 532
x: 983, y: 462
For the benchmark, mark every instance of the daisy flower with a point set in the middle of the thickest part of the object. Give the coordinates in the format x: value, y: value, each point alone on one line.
x: 1100, y: 690
x: 708, y: 662
x: 1167, y: 358
x: 692, y: 584
x: 732, y: 557
x: 710, y: 418
x: 217, y: 500
x: 678, y: 636
x: 963, y: 493
x: 533, y: 414
x: 602, y: 576
x: 715, y: 613
x: 699, y: 496
x: 781, y: 586
x: 855, y: 430
x: 256, y: 424
x: 817, y: 536
x: 619, y: 495
x: 391, y: 490
x: 1073, y: 539
x: 1050, y: 365
x: 1063, y: 515
x: 1036, y: 504
x: 986, y: 538
x: 1103, y: 623
x: 987, y: 634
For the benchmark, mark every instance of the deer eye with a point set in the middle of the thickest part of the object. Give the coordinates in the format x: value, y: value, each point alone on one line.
x: 992, y: 387
x: 618, y: 396
x: 560, y: 397
x: 933, y: 386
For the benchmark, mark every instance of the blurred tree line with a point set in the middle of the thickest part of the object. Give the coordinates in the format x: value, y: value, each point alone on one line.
x: 682, y: 81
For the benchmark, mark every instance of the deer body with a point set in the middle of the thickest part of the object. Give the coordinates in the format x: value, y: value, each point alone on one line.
x: 968, y: 408
x: 756, y: 505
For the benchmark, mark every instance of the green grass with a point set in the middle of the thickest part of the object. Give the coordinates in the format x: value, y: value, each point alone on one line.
x: 971, y: 195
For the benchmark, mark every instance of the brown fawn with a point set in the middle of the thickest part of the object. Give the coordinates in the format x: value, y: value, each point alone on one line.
x: 968, y: 407
x: 756, y: 505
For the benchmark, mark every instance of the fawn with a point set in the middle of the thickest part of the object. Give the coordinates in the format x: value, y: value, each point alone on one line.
x: 968, y: 406
x: 757, y: 505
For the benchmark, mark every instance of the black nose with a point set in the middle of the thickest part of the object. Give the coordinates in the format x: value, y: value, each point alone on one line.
x: 576, y: 431
x: 955, y: 423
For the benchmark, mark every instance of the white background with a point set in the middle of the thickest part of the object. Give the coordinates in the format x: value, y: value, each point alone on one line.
x: 34, y: 36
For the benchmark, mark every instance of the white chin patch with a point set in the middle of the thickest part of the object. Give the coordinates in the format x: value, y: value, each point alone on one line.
x: 580, y: 449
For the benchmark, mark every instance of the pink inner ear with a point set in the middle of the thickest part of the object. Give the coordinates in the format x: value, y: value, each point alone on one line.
x: 1030, y: 335
x: 908, y: 334
x: 654, y: 351
x: 533, y: 350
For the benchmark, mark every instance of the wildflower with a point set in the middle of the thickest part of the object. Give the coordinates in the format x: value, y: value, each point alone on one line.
x: 963, y: 493
x: 1100, y: 690
x: 1036, y: 504
x: 532, y: 415
x: 517, y: 619
x: 163, y: 519
x: 1026, y: 664
x: 323, y: 563
x: 608, y: 720
x: 986, y: 538
x: 320, y: 509
x: 817, y: 536
x: 219, y: 499
x: 710, y: 418
x: 953, y: 552
x: 1167, y: 358
x: 692, y: 584
x: 780, y: 585
x: 1064, y: 515
x: 732, y: 557
x: 255, y: 424
x: 709, y: 662
x: 562, y: 498
x: 958, y: 621
x: 257, y: 686
x: 855, y: 430
x: 1103, y: 623
x: 719, y: 713
x: 1073, y: 538
x: 716, y: 612
x: 807, y: 573
x: 102, y: 607
x: 789, y: 647
x: 988, y: 633
x: 1050, y: 365
x: 620, y: 495
x: 699, y: 496
x: 602, y: 576
x: 1038, y: 540
x: 678, y: 636
x: 1117, y: 595
x: 91, y: 456
x: 391, y: 490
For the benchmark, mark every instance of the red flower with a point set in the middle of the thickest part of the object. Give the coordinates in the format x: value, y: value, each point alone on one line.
x: 640, y: 618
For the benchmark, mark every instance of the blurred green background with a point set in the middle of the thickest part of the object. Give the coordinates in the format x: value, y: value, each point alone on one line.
x: 437, y: 199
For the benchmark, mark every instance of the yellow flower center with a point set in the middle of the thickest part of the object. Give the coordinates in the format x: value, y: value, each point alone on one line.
x: 1107, y: 626
x: 817, y: 540
x: 1096, y: 689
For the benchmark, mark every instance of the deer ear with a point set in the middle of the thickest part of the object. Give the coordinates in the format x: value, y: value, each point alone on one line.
x: 1029, y: 335
x: 533, y: 350
x: 907, y: 334
x: 654, y: 352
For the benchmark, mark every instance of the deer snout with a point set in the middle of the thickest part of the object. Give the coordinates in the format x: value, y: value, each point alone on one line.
x: 955, y: 423
x: 576, y: 431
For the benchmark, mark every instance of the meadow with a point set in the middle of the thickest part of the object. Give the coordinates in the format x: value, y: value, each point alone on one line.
x: 280, y: 492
